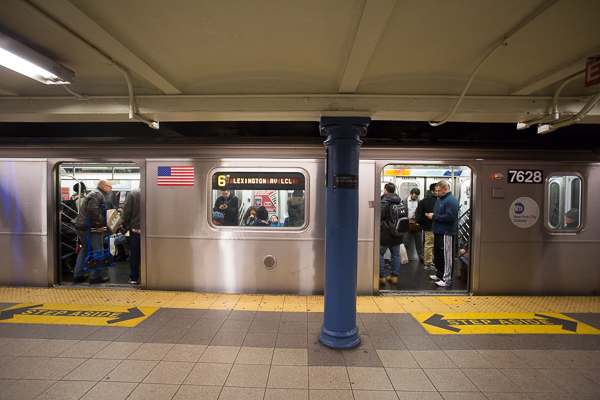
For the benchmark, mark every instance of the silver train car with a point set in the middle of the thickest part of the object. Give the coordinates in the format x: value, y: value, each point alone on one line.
x: 513, y: 217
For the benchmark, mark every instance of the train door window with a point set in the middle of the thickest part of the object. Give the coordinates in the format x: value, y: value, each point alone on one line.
x: 76, y: 181
x: 414, y: 275
x: 258, y: 198
x: 564, y: 202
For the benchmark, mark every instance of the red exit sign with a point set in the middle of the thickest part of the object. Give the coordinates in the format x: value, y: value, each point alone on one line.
x: 592, y: 72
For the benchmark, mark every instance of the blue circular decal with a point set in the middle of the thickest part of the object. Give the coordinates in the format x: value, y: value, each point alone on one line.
x: 519, y: 208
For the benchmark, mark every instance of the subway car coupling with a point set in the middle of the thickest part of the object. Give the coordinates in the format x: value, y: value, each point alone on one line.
x: 251, y: 219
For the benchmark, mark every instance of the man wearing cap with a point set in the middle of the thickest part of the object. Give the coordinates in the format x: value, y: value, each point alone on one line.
x: 92, y: 208
x: 572, y: 219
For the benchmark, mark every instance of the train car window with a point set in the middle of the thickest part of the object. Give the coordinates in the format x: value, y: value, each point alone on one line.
x: 564, y: 205
x: 260, y: 198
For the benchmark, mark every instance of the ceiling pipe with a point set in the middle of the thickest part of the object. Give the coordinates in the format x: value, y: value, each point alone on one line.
x: 132, y: 111
x: 545, y: 128
x: 502, y: 44
x: 553, y: 113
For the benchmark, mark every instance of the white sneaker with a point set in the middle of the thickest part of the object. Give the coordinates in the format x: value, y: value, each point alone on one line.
x: 434, y: 277
x: 441, y: 283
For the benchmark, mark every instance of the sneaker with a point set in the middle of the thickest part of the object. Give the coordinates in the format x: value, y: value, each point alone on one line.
x: 392, y: 279
x: 431, y: 267
x: 101, y: 279
x: 136, y: 282
x: 434, y: 277
x: 442, y: 283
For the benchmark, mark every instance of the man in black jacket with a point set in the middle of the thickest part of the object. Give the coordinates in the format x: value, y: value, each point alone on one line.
x: 91, y: 213
x: 426, y: 206
x: 386, y: 239
x: 131, y: 220
x: 228, y: 206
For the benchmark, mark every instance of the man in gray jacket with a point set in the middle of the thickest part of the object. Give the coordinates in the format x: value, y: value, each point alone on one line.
x: 91, y: 218
x: 131, y: 221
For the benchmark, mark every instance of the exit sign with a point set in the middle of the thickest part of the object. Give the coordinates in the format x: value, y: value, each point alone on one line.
x: 592, y: 72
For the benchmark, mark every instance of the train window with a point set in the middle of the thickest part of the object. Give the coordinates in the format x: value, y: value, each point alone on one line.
x: 564, y: 206
x: 259, y: 198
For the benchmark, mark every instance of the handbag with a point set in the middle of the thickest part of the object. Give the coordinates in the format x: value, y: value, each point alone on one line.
x: 414, y: 225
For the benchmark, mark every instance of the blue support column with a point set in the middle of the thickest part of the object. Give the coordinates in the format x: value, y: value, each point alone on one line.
x: 339, y: 329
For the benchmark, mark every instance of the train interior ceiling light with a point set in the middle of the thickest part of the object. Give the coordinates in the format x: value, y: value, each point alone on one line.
x: 28, y: 62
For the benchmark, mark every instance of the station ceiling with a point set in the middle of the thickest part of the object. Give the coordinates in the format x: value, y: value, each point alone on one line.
x: 254, y: 66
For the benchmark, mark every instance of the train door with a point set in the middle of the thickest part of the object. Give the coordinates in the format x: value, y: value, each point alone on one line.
x: 75, y: 181
x: 414, y: 272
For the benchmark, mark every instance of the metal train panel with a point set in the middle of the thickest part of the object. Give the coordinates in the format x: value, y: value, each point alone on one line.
x: 23, y: 222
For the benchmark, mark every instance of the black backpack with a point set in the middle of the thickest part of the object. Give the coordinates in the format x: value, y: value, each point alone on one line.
x: 397, y: 220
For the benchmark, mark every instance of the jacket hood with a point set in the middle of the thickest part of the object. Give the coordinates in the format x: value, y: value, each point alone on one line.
x: 295, y: 202
x: 391, y: 198
x: 429, y: 194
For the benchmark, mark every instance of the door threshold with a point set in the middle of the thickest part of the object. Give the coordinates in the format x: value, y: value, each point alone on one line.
x: 423, y: 293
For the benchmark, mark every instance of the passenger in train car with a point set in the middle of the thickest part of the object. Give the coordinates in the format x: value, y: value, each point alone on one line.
x: 414, y: 234
x: 426, y: 206
x: 387, y: 240
x: 91, y: 214
x: 250, y: 216
x: 131, y: 221
x: 444, y: 227
x: 262, y: 217
x: 274, y: 220
x: 229, y: 206
x: 296, y: 208
x: 572, y: 219
x: 80, y: 192
x: 218, y: 218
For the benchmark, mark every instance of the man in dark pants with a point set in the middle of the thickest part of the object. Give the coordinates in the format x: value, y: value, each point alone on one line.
x: 131, y: 220
x: 445, y: 219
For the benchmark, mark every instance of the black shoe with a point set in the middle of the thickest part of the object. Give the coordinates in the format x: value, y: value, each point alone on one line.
x: 79, y: 279
x: 99, y: 280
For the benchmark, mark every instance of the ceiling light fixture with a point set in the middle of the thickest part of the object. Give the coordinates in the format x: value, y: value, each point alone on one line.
x: 28, y: 62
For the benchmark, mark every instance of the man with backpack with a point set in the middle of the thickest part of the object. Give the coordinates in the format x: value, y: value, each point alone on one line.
x: 394, y: 220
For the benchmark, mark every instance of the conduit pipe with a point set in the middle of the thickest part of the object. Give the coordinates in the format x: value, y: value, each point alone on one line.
x: 570, y: 120
x: 502, y: 44
x: 553, y: 113
x: 132, y: 111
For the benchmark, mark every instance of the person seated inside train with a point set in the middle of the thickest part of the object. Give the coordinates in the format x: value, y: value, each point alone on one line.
x: 296, y: 208
x: 250, y: 216
x: 572, y: 219
x: 262, y: 217
x: 228, y: 205
x: 218, y: 218
x: 274, y: 220
x: 121, y: 251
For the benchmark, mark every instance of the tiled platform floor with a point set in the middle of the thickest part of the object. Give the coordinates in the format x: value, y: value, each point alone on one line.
x: 194, y: 353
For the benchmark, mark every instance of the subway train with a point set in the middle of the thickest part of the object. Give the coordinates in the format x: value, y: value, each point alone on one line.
x: 527, y: 219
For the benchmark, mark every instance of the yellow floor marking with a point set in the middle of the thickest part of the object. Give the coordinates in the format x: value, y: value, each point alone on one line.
x: 388, y: 305
x: 203, y: 301
x: 249, y: 302
x: 366, y: 304
x: 294, y: 304
x: 434, y: 304
x: 315, y: 304
x: 271, y: 303
x: 481, y: 323
x: 451, y: 300
x: 75, y: 314
x: 226, y: 302
x: 410, y: 304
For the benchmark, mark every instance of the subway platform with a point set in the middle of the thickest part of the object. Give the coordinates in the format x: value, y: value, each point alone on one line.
x: 58, y: 343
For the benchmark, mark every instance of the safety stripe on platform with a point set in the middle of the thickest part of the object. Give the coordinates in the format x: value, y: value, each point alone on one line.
x: 289, y: 303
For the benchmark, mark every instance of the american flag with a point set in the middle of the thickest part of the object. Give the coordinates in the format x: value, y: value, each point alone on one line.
x: 175, y: 176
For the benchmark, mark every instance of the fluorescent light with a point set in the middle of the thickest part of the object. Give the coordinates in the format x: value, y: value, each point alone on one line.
x: 20, y: 58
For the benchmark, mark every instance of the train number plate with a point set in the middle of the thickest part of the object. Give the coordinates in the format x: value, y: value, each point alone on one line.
x: 525, y: 176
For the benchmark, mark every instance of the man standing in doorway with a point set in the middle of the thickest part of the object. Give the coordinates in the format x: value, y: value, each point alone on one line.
x: 426, y: 206
x: 131, y: 221
x: 387, y: 240
x: 445, y: 220
x: 92, y: 208
x: 414, y: 234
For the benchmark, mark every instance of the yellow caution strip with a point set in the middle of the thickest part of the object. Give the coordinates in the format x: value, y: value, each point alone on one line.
x: 75, y: 314
x: 480, y: 323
